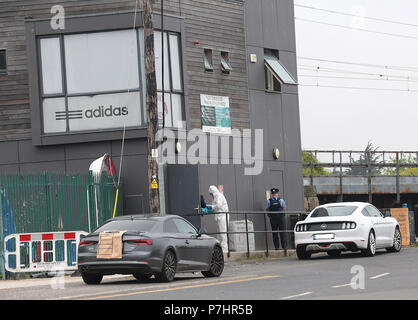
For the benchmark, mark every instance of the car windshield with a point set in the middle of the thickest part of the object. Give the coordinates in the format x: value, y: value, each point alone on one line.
x: 333, y: 211
x: 136, y: 225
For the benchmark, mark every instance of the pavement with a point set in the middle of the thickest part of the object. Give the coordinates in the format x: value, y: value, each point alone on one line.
x: 75, y: 278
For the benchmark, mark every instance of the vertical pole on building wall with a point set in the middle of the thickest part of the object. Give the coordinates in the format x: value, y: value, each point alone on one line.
x: 341, y: 178
x: 152, y: 110
x: 162, y: 62
x: 398, y: 194
x: 369, y: 176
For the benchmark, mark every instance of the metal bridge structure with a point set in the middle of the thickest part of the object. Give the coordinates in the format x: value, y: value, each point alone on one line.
x: 349, y: 174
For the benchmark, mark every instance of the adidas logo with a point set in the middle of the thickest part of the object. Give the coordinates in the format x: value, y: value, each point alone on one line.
x: 99, y: 112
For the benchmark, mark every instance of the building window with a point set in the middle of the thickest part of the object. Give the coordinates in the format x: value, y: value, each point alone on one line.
x: 207, y: 56
x: 275, y: 73
x: 3, y: 64
x: 91, y: 81
x: 225, y: 64
x: 173, y: 80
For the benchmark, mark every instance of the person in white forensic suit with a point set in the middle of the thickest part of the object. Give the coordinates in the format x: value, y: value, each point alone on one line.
x: 220, y: 205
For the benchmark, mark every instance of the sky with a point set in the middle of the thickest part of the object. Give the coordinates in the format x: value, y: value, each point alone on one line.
x: 346, y: 118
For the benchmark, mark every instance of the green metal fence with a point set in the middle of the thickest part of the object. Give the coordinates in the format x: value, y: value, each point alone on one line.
x: 51, y: 202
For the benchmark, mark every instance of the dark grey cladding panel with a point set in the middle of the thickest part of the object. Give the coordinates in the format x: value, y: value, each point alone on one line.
x: 244, y: 189
x: 226, y: 177
x: 293, y: 179
x: 286, y: 25
x: 30, y: 153
x: 37, y: 167
x: 87, y: 150
x: 256, y: 76
x: 79, y: 165
x: 208, y: 175
x: 134, y: 172
x: 131, y: 147
x: 291, y: 126
x: 9, y: 168
x: 274, y: 135
x: 270, y: 24
x: 135, y: 183
x: 9, y: 152
x: 288, y: 59
x: 253, y: 23
x: 269, y: 9
x: 272, y: 176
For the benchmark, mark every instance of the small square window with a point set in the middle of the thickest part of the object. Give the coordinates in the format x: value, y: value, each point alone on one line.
x: 208, y: 59
x: 3, y: 64
x: 225, y: 64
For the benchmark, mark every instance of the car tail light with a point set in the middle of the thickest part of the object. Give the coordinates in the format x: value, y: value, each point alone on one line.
x: 348, y: 225
x: 86, y: 243
x: 301, y: 227
x: 140, y: 242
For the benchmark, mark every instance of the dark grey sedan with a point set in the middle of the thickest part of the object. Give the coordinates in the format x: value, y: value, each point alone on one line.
x: 159, y: 246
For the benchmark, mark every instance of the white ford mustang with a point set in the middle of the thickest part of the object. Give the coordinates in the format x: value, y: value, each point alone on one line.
x: 346, y: 226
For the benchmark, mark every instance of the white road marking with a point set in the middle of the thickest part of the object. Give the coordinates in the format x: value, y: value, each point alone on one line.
x: 379, y: 276
x: 342, y: 285
x: 297, y: 295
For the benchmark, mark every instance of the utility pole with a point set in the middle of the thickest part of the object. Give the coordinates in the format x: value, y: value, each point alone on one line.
x: 152, y: 110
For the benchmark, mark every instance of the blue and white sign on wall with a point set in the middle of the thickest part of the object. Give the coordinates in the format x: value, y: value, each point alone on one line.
x: 216, y: 114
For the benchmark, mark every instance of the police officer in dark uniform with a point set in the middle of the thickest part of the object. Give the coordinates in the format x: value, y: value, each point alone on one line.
x: 276, y: 206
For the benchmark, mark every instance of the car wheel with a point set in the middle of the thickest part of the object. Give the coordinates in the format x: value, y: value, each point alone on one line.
x: 371, y: 246
x: 302, y: 253
x: 334, y: 253
x: 90, y: 278
x: 142, y: 276
x: 168, y: 270
x: 216, y: 263
x: 397, y: 241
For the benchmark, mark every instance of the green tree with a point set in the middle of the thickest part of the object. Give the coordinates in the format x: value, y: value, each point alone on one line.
x: 369, y: 156
x: 409, y: 171
x: 316, y: 171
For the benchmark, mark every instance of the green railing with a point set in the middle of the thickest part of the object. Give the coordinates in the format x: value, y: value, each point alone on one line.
x: 50, y: 202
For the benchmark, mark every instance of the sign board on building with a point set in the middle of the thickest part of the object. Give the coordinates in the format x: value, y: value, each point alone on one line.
x: 102, y: 111
x: 216, y: 114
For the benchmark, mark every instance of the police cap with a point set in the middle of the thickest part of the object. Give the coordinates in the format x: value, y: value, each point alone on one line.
x: 274, y: 190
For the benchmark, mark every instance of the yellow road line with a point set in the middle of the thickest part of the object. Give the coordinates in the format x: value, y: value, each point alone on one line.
x: 170, y: 285
x: 184, y: 287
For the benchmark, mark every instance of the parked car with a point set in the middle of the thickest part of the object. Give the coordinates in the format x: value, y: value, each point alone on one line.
x: 346, y: 226
x: 159, y: 246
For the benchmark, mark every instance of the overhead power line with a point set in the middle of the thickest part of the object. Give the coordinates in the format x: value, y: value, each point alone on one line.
x: 356, y: 78
x: 356, y: 88
x: 403, y: 68
x: 359, y: 29
x: 354, y: 15
x: 345, y: 71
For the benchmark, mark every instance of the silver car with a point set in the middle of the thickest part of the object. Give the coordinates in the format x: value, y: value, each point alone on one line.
x: 159, y: 246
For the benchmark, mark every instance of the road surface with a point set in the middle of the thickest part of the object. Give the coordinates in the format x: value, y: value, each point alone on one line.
x: 351, y: 276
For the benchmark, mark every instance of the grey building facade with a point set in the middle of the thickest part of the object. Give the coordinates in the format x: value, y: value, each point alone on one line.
x: 63, y: 93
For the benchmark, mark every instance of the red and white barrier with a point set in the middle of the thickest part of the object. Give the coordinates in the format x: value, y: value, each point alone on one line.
x: 40, y: 252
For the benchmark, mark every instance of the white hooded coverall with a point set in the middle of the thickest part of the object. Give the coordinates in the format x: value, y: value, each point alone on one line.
x: 220, y: 205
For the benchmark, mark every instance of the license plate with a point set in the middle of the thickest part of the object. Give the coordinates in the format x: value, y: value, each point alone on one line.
x: 323, y: 236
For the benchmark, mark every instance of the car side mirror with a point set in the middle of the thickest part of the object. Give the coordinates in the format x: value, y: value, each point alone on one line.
x: 200, y: 232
